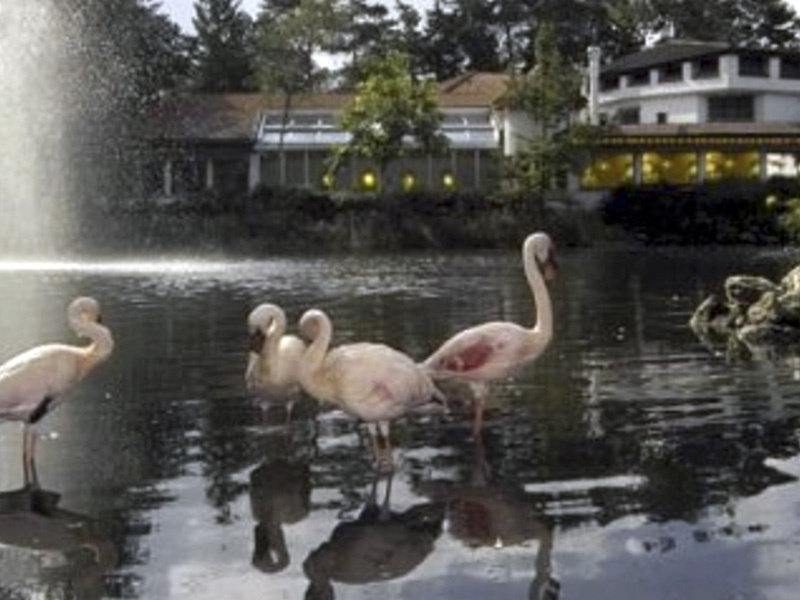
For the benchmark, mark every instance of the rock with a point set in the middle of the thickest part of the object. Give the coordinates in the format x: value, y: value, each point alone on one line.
x: 791, y: 281
x: 712, y: 316
x: 787, y: 308
x: 762, y: 310
x: 744, y: 290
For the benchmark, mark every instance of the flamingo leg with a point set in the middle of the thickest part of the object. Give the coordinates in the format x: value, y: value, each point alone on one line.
x: 479, y: 391
x: 381, y: 445
x: 29, y: 456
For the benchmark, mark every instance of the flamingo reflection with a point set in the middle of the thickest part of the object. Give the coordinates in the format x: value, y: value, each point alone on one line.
x: 49, y: 552
x: 483, y: 514
x: 280, y: 493
x: 34, y: 382
x: 493, y: 350
x: 379, y: 545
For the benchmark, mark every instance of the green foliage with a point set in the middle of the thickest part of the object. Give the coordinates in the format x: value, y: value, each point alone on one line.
x: 290, y: 37
x: 391, y: 113
x: 224, y: 52
x: 725, y: 212
x: 548, y: 95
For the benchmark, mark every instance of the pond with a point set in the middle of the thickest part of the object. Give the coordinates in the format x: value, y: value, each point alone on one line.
x: 629, y: 460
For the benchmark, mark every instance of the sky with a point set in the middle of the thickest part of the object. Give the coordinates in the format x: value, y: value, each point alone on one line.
x: 182, y: 11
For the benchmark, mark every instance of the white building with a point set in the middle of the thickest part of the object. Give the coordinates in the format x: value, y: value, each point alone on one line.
x: 683, y: 112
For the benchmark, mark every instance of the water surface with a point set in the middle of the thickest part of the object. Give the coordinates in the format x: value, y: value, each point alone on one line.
x: 630, y: 460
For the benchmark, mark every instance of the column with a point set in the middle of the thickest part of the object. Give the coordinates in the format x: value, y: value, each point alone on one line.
x: 209, y: 173
x: 701, y: 166
x: 637, y: 168
x: 762, y: 165
x: 477, y: 166
x: 167, y: 189
x: 254, y: 171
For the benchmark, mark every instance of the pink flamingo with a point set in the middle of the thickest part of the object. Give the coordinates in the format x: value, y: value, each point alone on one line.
x: 34, y: 382
x: 372, y: 382
x: 491, y: 351
x: 273, y: 365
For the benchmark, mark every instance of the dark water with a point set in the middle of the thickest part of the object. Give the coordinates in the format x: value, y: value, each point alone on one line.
x: 629, y: 461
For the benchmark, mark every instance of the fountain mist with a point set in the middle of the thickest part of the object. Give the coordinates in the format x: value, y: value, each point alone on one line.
x: 34, y: 119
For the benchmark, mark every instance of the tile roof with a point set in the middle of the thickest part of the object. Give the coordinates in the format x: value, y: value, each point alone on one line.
x: 235, y: 117
x: 669, y: 51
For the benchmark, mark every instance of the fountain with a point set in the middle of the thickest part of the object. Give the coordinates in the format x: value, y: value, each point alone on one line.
x: 35, y: 111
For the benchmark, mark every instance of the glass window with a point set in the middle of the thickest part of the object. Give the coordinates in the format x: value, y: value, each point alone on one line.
x: 639, y: 78
x: 609, y: 82
x: 670, y: 72
x: 731, y: 108
x: 705, y: 68
x: 608, y: 171
x: 753, y: 66
x: 629, y: 116
x: 790, y: 68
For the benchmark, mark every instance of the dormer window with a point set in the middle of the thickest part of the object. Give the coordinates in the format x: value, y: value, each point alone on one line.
x: 756, y: 65
x: 639, y: 78
x: 705, y: 68
x: 670, y: 72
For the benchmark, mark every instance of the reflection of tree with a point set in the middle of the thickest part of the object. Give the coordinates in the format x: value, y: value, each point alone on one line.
x: 380, y: 544
x: 49, y: 552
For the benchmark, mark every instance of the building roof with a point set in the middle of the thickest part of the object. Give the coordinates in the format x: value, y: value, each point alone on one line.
x: 235, y: 117
x: 668, y: 51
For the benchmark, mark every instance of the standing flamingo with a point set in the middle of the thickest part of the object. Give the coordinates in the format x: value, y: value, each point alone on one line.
x: 372, y: 382
x: 491, y: 351
x: 32, y: 383
x: 273, y: 366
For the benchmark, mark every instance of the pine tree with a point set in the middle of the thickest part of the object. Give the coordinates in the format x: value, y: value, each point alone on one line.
x: 224, y: 53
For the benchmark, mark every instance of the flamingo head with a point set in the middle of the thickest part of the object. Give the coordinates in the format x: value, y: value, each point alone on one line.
x: 85, y: 308
x: 543, y: 250
x: 257, y: 339
x: 312, y: 323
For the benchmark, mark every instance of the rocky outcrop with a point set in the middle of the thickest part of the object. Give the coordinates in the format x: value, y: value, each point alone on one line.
x: 756, y: 314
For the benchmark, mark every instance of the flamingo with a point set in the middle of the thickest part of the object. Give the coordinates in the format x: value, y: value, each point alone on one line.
x: 34, y: 382
x: 372, y: 382
x: 273, y: 365
x: 492, y: 351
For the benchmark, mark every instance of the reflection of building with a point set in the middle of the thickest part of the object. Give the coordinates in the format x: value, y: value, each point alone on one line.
x: 238, y: 141
x: 683, y: 112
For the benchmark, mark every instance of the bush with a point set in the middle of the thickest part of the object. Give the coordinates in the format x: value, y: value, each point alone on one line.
x: 724, y: 212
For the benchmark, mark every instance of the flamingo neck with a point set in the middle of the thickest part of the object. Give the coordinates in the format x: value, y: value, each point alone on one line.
x: 101, y: 346
x: 274, y: 334
x: 311, y: 369
x: 543, y: 329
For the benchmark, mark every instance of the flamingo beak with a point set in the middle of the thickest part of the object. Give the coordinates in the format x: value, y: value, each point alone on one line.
x: 257, y: 339
x: 549, y: 266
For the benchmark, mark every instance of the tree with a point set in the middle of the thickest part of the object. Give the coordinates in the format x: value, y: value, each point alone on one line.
x: 391, y: 113
x: 224, y: 52
x: 549, y: 96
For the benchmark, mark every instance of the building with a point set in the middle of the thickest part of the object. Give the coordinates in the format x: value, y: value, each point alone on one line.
x: 235, y: 142
x: 685, y: 112
x: 677, y: 112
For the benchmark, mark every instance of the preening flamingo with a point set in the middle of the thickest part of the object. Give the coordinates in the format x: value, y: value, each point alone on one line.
x: 32, y: 383
x: 273, y: 365
x: 493, y: 350
x: 372, y: 382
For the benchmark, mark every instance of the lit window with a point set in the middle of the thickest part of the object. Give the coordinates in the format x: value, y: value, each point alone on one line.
x: 408, y: 181
x: 448, y: 181
x: 369, y: 181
